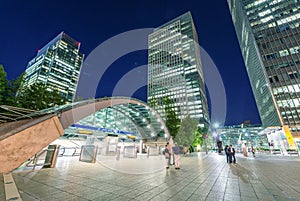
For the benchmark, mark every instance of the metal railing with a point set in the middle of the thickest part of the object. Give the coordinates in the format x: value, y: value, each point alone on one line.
x: 33, y: 162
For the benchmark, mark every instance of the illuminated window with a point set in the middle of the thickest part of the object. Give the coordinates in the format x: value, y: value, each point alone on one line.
x: 294, y: 50
x: 283, y: 53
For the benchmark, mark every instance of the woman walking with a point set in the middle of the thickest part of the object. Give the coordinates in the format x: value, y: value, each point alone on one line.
x: 176, y: 152
x: 167, y: 156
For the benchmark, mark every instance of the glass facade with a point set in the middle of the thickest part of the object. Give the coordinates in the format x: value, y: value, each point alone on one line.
x: 268, y: 32
x: 251, y: 135
x: 57, y: 65
x: 175, y: 70
x: 115, y: 115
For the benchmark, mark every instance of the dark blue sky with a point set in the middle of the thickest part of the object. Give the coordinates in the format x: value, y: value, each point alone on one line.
x: 26, y: 26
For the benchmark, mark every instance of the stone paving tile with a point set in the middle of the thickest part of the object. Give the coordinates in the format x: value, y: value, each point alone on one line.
x: 266, y: 197
x: 195, y: 197
x: 160, y: 198
x: 208, y: 178
x: 95, y: 195
x: 105, y: 197
x: 232, y: 190
x: 248, y: 193
x: 26, y: 197
x: 203, y: 191
x: 216, y: 195
x: 219, y: 188
x: 181, y: 196
x: 189, y: 189
x: 232, y: 197
x: 146, y: 196
x: 245, y: 198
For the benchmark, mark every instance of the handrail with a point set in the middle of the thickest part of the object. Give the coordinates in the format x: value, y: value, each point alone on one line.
x: 64, y: 150
x: 36, y: 158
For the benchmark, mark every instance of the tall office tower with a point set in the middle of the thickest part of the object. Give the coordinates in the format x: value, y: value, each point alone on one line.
x: 57, y: 65
x: 268, y: 33
x: 175, y: 70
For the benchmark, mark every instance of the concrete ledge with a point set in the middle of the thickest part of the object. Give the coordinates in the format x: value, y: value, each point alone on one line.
x: 11, y: 191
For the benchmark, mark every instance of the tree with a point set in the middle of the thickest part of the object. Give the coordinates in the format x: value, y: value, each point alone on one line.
x: 78, y: 99
x: 172, y: 121
x: 198, y: 139
x: 38, y: 97
x: 187, y: 132
x: 12, y: 90
x: 3, y: 85
x: 153, y: 102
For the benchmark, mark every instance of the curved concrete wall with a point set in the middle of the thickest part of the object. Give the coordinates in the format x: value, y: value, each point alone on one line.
x: 21, y: 142
x: 17, y: 148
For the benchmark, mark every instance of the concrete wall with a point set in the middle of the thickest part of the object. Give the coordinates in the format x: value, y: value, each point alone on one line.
x: 17, y: 148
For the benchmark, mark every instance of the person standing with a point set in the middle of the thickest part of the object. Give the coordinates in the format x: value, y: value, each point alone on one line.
x: 227, y: 153
x: 244, y: 148
x: 170, y: 152
x: 231, y: 154
x: 253, y: 151
x: 176, y: 152
x: 167, y: 156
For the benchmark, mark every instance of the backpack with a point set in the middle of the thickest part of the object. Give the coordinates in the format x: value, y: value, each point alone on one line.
x: 166, y: 153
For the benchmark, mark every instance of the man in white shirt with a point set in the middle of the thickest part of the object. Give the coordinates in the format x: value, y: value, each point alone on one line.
x: 231, y: 154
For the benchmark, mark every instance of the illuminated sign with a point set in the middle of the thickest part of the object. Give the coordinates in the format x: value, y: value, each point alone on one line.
x: 289, y: 136
x: 88, y: 132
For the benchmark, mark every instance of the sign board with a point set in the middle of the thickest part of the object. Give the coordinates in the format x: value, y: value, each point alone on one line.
x: 289, y: 136
x: 88, y: 132
x: 88, y: 153
x: 51, y: 156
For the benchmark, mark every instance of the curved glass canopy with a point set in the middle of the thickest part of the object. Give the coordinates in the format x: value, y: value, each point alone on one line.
x: 135, y: 120
x: 120, y: 116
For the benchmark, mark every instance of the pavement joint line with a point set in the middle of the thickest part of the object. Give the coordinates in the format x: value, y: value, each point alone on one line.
x: 10, y: 188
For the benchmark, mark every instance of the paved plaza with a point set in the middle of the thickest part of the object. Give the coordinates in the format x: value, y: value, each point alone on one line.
x: 201, y: 177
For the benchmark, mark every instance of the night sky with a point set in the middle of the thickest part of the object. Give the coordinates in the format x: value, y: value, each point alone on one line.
x: 27, y: 26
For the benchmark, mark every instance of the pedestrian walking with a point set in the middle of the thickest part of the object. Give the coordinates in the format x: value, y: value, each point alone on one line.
x: 170, y: 153
x: 232, y: 154
x: 253, y: 151
x: 244, y: 148
x: 166, y: 152
x: 176, y: 152
x: 227, y: 153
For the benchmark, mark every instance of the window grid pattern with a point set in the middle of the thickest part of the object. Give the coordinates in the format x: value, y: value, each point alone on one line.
x: 57, y: 65
x: 174, y: 69
x: 275, y: 27
x: 254, y: 65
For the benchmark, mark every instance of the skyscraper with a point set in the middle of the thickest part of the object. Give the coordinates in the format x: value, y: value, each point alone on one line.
x: 57, y: 65
x: 175, y: 70
x: 268, y: 33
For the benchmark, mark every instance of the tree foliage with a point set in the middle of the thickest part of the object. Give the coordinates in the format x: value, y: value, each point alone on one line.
x: 3, y: 85
x: 171, y: 120
x: 198, y: 138
x: 187, y: 131
x: 12, y: 90
x: 153, y: 102
x: 37, y: 97
x: 9, y: 88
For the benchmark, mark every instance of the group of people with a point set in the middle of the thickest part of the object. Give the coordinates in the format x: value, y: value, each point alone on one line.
x: 230, y: 154
x: 172, y: 151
